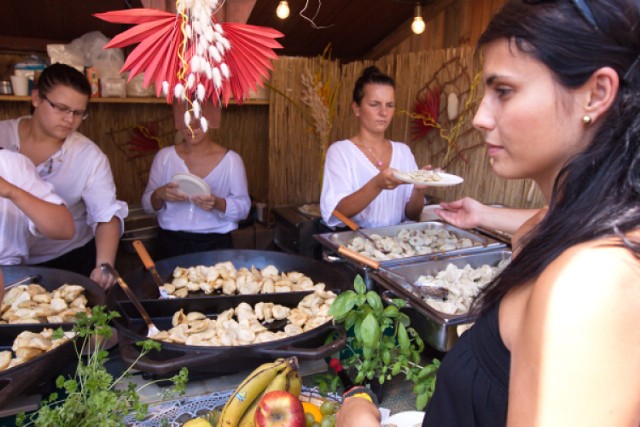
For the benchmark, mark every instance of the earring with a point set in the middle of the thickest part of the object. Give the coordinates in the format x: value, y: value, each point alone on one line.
x: 586, y: 120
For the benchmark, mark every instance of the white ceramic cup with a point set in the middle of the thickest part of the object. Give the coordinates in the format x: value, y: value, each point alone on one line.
x: 20, y: 85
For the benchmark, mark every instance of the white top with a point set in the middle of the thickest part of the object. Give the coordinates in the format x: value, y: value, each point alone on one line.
x: 81, y: 175
x: 227, y: 180
x: 347, y: 169
x: 15, y: 226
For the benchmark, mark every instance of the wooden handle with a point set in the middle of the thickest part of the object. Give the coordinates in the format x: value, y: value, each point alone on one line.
x: 143, y: 254
x: 342, y: 250
x: 347, y: 221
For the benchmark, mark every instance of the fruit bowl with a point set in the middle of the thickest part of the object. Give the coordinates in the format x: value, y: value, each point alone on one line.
x: 174, y: 413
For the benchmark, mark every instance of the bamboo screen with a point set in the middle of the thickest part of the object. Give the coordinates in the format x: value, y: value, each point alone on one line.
x: 295, y: 160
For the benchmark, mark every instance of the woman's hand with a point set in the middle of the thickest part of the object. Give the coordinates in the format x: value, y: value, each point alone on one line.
x: 463, y: 213
x: 386, y: 181
x: 356, y: 411
x: 102, y: 278
x: 171, y: 193
x: 207, y: 203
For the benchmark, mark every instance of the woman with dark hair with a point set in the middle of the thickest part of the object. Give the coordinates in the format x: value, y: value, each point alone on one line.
x: 358, y: 176
x: 79, y: 171
x: 556, y: 342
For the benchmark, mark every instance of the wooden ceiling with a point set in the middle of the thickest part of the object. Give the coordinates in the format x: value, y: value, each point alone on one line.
x: 353, y: 28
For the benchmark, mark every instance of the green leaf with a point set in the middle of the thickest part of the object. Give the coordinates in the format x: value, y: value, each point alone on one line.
x: 421, y: 401
x: 370, y: 331
x: 403, y: 337
x: 391, y: 311
x: 350, y: 320
x: 404, y: 319
x: 342, y: 305
x: 373, y: 299
x: 398, y: 302
x: 359, y: 286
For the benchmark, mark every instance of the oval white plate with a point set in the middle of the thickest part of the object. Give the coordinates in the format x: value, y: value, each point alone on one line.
x: 191, y: 185
x: 446, y: 181
x: 406, y: 419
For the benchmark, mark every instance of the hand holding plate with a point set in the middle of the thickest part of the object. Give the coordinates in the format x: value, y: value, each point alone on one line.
x: 170, y: 192
x: 206, y: 203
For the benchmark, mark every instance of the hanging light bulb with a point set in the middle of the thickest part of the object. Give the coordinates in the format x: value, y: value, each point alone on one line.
x: 418, y: 25
x: 283, y: 10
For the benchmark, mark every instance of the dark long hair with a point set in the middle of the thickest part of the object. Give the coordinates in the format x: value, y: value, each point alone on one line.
x: 597, y: 193
x: 370, y: 75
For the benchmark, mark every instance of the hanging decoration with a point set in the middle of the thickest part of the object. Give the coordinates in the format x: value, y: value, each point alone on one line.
x: 446, y: 103
x: 190, y: 56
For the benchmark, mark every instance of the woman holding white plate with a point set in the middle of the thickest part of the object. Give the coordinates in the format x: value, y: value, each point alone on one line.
x: 197, y: 188
x: 358, y: 178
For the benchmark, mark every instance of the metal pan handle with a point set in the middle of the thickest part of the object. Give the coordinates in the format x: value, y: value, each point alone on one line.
x: 388, y: 295
x: 343, y: 250
x: 309, y: 353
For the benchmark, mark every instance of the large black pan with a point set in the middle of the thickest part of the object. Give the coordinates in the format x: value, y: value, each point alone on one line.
x: 218, y: 360
x: 142, y: 283
x: 31, y: 374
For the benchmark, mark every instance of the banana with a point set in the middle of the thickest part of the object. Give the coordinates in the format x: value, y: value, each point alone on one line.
x: 287, y: 380
x: 249, y: 389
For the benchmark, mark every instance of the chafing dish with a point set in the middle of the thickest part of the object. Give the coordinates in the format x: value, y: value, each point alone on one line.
x: 439, y: 330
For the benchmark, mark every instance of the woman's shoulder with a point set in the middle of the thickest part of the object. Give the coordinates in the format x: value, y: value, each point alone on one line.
x: 590, y: 276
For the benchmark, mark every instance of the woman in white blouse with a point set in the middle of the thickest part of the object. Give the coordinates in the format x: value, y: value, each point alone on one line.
x: 358, y: 176
x: 202, y: 222
x: 77, y: 168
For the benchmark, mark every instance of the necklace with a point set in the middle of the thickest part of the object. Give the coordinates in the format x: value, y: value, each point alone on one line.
x: 379, y: 162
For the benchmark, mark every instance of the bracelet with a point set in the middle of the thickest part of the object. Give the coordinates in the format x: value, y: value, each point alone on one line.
x: 361, y: 392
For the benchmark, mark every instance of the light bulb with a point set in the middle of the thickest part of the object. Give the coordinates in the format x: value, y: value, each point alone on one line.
x: 418, y: 25
x: 283, y: 10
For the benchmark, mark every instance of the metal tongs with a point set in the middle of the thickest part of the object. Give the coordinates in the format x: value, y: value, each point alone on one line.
x: 436, y: 292
x: 149, y: 264
x: 153, y: 330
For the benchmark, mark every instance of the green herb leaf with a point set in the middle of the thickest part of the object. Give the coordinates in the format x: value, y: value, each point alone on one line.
x: 373, y: 299
x: 359, y: 286
x: 370, y: 331
x: 342, y: 305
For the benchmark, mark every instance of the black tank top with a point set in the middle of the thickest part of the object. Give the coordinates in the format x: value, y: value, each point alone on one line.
x: 472, y: 384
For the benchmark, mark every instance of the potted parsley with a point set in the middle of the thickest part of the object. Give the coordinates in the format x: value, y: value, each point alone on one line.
x: 93, y: 397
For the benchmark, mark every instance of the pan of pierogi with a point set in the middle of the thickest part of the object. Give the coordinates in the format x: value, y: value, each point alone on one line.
x: 225, y: 311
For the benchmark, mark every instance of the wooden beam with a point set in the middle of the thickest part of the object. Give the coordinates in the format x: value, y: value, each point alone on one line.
x: 26, y: 44
x: 403, y: 32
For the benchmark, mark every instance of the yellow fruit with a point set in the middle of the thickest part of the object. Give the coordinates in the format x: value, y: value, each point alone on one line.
x: 197, y: 422
x: 313, y: 410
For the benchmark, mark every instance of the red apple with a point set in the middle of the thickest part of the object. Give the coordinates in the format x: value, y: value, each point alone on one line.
x: 279, y: 408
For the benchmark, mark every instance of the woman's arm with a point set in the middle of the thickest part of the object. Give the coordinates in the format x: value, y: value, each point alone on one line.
x: 469, y: 213
x: 107, y: 238
x: 53, y: 221
x: 354, y: 203
x: 414, y: 207
x: 576, y: 356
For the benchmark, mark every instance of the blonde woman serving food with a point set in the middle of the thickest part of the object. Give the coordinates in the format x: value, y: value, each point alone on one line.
x: 358, y: 175
x: 203, y: 221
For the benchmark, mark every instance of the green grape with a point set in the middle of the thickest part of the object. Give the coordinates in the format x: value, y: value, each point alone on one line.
x: 315, y: 424
x: 328, y: 421
x: 309, y: 419
x: 328, y: 407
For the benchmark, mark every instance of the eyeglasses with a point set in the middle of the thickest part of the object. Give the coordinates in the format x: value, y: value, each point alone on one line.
x: 63, y: 110
x: 581, y: 5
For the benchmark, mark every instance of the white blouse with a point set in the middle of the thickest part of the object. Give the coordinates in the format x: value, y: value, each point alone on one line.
x: 81, y: 175
x: 228, y: 180
x: 347, y: 169
x: 15, y: 226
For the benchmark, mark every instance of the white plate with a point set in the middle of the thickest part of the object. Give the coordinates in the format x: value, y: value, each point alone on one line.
x: 191, y: 185
x: 446, y: 181
x: 406, y: 419
x: 429, y: 214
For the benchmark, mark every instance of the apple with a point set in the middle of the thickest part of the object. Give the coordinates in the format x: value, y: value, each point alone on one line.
x: 279, y: 408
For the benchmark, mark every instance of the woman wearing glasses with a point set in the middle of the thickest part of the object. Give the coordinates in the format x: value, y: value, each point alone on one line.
x: 78, y: 170
x: 557, y: 342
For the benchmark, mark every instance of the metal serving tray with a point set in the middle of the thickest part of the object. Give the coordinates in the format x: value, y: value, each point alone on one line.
x: 334, y: 240
x: 438, y: 329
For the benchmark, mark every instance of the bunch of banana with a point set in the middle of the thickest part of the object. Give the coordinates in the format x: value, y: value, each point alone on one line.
x: 240, y: 409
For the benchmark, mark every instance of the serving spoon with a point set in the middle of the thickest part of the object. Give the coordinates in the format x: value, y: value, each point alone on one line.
x: 152, y: 329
